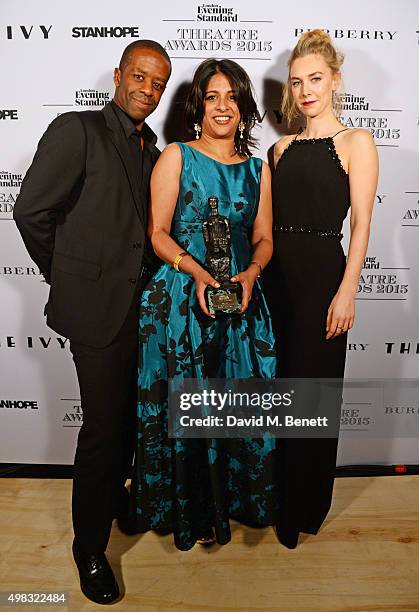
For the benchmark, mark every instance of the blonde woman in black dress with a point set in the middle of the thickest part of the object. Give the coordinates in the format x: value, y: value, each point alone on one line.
x: 322, y: 172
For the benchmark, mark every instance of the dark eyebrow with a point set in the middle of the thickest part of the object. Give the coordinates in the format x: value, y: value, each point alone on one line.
x: 145, y: 73
x: 217, y: 91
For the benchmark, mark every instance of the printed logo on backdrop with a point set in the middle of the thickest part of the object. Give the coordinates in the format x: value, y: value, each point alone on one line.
x: 91, y: 97
x: 34, y: 343
x: 383, y: 123
x: 359, y: 347
x: 85, y: 98
x: 411, y: 216
x: 353, y: 34
x: 216, y: 12
x: 380, y: 282
x: 354, y: 417
x: 19, y: 404
x: 10, y: 183
x: 381, y: 408
x: 21, y: 272
x: 218, y: 30
x: 105, y: 32
x: 407, y: 347
x: 72, y: 412
x: 26, y: 32
x: 8, y: 114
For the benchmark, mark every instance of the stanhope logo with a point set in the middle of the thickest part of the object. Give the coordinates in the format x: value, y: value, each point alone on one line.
x: 20, y: 404
x: 8, y: 113
x: 106, y: 32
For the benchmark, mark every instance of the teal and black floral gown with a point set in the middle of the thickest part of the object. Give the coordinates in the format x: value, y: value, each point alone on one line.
x: 187, y: 485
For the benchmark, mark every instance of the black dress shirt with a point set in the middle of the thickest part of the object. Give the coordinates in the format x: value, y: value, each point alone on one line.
x: 142, y: 156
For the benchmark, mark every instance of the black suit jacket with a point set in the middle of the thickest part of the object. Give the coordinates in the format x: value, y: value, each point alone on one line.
x: 82, y: 215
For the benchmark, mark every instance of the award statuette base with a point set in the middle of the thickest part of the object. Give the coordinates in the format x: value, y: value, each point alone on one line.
x: 225, y: 300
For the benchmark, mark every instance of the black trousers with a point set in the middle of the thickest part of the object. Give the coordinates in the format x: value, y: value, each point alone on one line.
x: 106, y: 442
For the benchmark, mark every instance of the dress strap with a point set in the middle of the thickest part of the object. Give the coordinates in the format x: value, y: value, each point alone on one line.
x: 344, y: 130
x: 300, y: 131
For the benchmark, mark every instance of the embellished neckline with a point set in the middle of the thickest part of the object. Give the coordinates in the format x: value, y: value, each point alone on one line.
x: 331, y: 146
x: 296, y: 139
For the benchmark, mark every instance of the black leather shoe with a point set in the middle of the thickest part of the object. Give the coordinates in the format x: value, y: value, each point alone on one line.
x: 97, y: 581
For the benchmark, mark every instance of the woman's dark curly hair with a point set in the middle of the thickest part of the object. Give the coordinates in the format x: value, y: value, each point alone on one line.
x: 240, y: 83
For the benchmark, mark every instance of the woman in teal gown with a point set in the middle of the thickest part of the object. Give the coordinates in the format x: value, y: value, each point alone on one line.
x: 192, y: 487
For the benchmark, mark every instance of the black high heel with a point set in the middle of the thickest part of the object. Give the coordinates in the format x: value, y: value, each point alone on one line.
x: 207, y: 538
x: 287, y: 537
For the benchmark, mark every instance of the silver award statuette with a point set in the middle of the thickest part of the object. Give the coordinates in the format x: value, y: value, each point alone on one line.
x: 217, y: 237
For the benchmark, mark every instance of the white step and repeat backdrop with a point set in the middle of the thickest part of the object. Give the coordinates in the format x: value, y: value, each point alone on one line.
x: 60, y: 57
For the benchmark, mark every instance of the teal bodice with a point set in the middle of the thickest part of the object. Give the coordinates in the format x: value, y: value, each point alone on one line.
x: 237, y: 188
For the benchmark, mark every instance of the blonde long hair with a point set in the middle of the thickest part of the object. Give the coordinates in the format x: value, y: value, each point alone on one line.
x: 315, y: 41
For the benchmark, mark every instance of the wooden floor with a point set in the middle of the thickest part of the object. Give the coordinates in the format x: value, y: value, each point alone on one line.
x: 366, y: 557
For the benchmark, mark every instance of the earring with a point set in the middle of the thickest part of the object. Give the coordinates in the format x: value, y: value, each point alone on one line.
x: 241, y: 129
x: 198, y: 130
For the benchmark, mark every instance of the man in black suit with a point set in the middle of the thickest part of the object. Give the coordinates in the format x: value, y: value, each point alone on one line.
x: 82, y: 213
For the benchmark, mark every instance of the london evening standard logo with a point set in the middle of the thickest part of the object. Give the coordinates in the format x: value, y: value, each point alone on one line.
x: 216, y: 12
x: 10, y: 183
x: 91, y: 97
x: 383, y: 122
x: 19, y: 404
x: 105, y: 32
x: 210, y: 34
x: 382, y: 282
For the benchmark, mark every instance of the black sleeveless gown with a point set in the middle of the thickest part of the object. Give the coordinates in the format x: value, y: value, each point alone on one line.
x: 310, y: 201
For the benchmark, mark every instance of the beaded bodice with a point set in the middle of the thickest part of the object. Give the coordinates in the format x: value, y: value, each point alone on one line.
x: 310, y: 187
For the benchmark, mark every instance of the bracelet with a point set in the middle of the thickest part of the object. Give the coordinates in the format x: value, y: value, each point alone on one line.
x: 177, y: 260
x: 260, y: 267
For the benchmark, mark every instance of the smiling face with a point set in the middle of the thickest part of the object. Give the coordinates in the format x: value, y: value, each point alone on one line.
x: 221, y: 113
x: 140, y: 84
x: 312, y: 85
